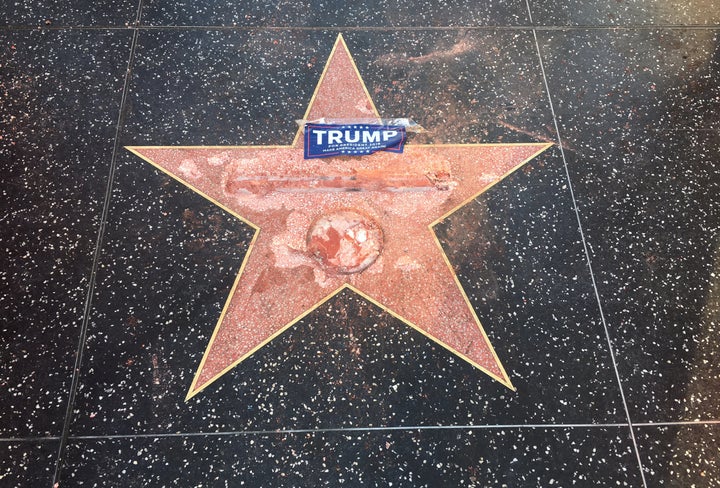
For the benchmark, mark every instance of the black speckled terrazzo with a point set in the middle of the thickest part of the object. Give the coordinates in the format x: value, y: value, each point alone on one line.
x: 410, y: 458
x: 28, y: 463
x: 681, y: 455
x: 645, y: 169
x: 21, y: 14
x: 61, y: 96
x: 317, y: 13
x: 624, y: 13
x: 594, y: 268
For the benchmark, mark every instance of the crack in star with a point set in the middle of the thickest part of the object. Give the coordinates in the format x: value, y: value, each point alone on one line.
x: 281, y: 195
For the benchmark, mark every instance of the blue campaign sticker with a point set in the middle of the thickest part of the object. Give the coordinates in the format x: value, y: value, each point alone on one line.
x: 326, y: 140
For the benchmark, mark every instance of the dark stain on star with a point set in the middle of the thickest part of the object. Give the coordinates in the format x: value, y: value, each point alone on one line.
x: 272, y: 277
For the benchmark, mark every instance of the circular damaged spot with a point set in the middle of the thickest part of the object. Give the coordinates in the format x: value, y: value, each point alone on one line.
x: 345, y: 242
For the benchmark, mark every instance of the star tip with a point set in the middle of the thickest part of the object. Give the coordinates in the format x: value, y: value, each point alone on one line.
x: 340, y: 41
x: 192, y: 391
x: 190, y: 394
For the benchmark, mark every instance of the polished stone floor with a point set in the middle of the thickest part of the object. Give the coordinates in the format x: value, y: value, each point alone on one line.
x: 594, y: 268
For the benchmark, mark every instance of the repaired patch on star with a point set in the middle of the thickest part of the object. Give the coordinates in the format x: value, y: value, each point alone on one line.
x: 327, y: 140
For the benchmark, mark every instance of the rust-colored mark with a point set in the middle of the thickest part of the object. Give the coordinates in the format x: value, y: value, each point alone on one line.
x: 359, y: 180
x: 363, y: 223
x: 346, y: 241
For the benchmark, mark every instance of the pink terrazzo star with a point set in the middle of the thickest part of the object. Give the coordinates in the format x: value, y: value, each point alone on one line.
x: 364, y: 223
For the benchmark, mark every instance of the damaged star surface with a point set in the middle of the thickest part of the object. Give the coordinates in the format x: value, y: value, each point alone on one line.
x: 281, y: 195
